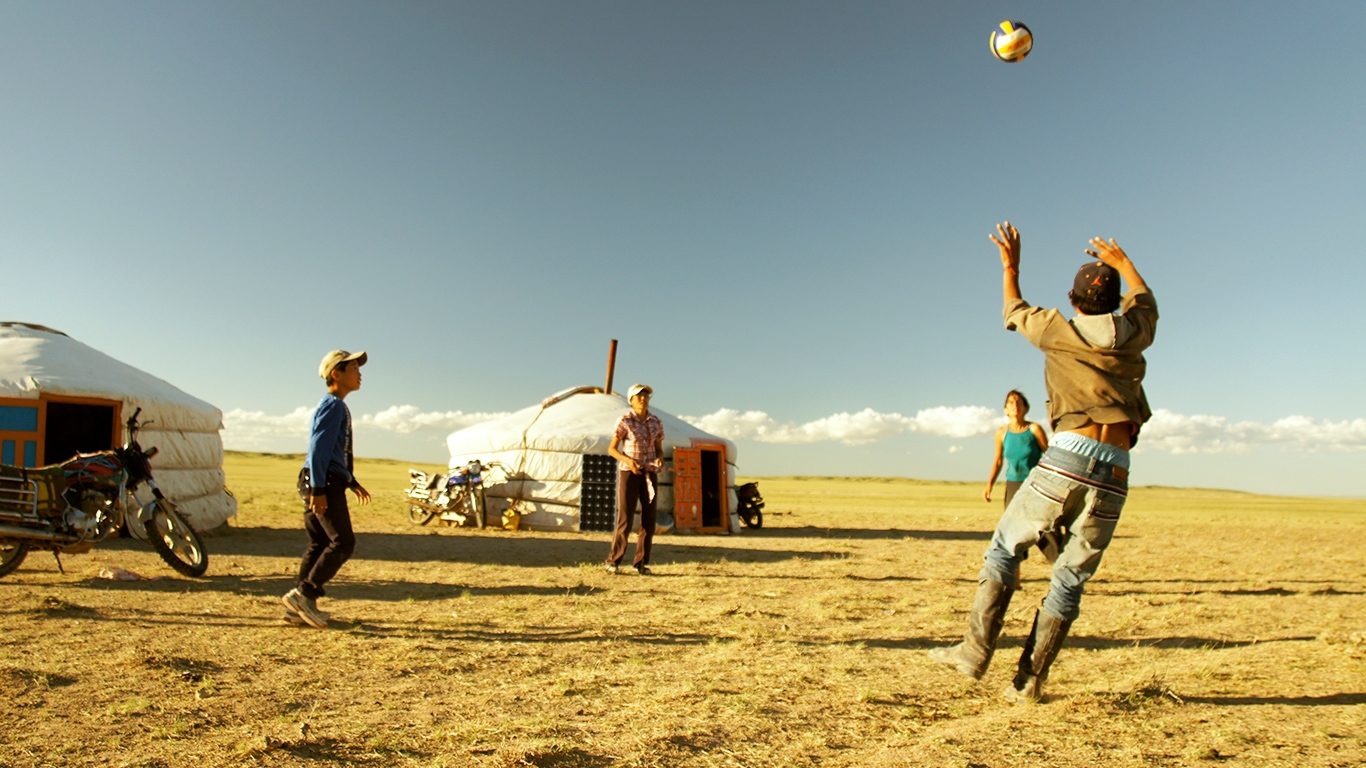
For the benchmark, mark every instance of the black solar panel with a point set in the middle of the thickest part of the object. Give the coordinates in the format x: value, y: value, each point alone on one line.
x: 598, y: 496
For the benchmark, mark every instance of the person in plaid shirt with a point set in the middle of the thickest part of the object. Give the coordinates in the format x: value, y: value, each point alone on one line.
x: 638, y: 447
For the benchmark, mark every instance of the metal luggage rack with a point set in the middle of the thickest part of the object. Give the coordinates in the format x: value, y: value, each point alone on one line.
x: 19, y: 499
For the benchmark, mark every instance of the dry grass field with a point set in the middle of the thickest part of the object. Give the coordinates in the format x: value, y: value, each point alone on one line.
x: 1222, y: 629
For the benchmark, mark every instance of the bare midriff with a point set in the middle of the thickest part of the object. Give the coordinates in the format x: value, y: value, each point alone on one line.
x: 1119, y: 434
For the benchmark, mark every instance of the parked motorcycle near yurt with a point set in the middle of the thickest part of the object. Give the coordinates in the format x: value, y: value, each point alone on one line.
x: 457, y: 499
x: 70, y: 507
x: 751, y: 505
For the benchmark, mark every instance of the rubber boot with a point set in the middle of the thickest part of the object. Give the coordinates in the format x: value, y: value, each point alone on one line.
x: 972, y: 656
x: 1040, y: 650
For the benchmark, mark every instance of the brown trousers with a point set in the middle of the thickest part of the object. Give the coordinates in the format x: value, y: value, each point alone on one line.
x: 630, y: 491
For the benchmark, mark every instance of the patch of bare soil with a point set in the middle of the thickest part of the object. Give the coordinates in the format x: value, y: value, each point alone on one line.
x: 1222, y: 629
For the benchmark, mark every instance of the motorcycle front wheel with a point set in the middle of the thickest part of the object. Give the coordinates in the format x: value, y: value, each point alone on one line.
x: 419, y: 516
x: 11, y: 555
x: 476, y: 501
x: 176, y: 541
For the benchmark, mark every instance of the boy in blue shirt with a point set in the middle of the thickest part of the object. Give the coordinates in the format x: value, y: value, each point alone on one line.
x: 328, y: 472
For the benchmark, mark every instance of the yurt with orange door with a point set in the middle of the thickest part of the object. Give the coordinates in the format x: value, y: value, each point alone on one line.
x: 59, y: 397
x: 556, y: 474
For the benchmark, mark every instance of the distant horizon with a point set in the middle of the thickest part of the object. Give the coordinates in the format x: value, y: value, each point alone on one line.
x: 879, y: 478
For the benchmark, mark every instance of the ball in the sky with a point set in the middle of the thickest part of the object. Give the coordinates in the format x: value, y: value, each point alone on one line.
x: 1011, y: 41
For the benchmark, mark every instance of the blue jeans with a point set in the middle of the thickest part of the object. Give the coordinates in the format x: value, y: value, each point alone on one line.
x: 1069, y: 505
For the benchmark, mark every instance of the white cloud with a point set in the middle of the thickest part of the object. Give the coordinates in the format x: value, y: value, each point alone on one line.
x: 1180, y: 434
x: 865, y: 426
x: 257, y: 430
x: 955, y: 448
x: 405, y: 419
x: 1167, y: 431
x: 958, y: 421
x: 732, y: 424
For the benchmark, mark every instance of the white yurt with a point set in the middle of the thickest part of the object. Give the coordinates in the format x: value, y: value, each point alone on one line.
x: 59, y: 397
x: 557, y: 476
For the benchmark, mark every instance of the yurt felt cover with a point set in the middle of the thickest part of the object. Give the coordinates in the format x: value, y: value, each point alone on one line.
x: 542, y: 449
x: 185, y: 430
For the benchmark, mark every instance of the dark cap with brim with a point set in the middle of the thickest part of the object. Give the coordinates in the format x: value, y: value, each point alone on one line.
x: 1096, y: 281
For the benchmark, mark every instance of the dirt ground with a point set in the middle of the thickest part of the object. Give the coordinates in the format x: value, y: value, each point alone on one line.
x: 1222, y: 629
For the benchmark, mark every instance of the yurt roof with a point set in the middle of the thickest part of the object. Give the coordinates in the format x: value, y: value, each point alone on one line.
x: 35, y: 360
x: 576, y: 421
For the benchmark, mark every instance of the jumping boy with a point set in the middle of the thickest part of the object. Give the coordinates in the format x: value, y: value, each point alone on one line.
x: 1093, y: 370
x: 327, y: 474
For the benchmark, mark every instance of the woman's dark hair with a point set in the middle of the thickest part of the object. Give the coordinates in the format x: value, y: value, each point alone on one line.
x: 1016, y: 393
x: 1093, y: 305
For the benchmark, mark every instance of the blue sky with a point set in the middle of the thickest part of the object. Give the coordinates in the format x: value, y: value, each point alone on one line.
x: 780, y: 209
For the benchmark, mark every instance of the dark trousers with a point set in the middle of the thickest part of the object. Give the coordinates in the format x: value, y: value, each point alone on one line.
x: 330, y: 541
x: 1012, y: 486
x: 631, y: 491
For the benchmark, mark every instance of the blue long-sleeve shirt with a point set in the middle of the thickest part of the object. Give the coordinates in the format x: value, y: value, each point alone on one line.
x: 329, y: 443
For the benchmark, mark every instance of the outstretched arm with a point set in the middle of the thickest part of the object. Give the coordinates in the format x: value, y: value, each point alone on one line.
x: 1009, y: 245
x: 1114, y: 256
x: 995, y: 463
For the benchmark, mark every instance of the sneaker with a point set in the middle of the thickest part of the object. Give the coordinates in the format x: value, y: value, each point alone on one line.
x: 307, y: 609
x: 644, y: 570
x: 612, y: 568
x: 292, y: 616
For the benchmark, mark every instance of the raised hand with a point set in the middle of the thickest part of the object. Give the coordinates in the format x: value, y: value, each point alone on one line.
x: 1108, y: 252
x: 1009, y: 245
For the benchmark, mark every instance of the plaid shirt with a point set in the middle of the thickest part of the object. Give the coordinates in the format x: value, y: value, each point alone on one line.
x: 636, y: 437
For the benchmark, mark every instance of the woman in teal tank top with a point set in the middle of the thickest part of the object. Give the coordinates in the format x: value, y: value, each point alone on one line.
x: 1019, y: 445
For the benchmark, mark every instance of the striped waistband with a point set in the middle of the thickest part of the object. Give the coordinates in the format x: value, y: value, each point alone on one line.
x: 1119, y: 489
x: 1090, y: 448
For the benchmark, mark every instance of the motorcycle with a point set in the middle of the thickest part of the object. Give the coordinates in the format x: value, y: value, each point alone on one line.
x: 751, y: 506
x: 72, y: 506
x: 456, y: 500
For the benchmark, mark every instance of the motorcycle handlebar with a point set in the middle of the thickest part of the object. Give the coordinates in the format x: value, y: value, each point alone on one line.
x: 482, y: 466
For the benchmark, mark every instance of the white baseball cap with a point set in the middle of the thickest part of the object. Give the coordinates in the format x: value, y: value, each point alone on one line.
x: 637, y: 389
x: 336, y: 357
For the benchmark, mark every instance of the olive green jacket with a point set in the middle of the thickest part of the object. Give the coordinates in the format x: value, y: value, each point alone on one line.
x: 1093, y: 365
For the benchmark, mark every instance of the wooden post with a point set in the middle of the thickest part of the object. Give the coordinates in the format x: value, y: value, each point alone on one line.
x: 611, y: 365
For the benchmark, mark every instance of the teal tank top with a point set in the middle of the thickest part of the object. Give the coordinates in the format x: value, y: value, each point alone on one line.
x: 1021, y: 452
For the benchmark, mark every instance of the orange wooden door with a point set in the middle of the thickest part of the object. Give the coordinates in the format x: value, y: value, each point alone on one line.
x: 687, y: 488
